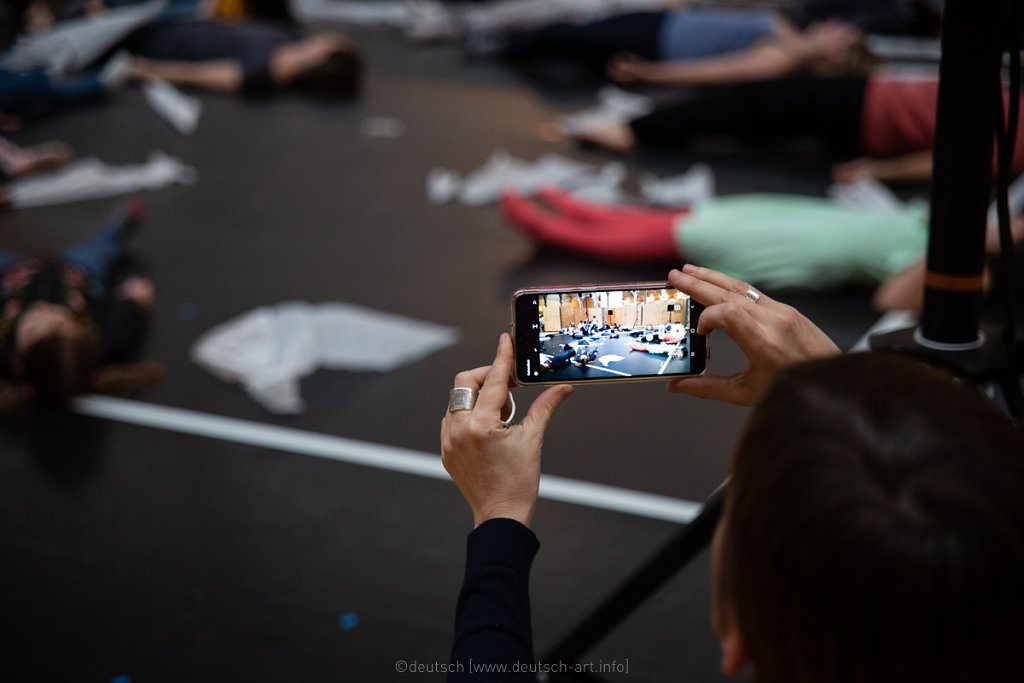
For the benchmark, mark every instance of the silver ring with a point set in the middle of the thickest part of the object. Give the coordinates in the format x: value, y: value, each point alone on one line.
x: 752, y: 294
x: 461, y: 398
x: 508, y: 411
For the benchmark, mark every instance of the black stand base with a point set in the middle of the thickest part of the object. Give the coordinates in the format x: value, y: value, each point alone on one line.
x: 983, y: 365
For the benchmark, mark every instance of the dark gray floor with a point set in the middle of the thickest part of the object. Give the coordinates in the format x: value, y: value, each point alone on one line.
x: 127, y: 551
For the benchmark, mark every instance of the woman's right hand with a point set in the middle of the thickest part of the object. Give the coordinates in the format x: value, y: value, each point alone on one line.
x: 496, y: 466
x: 771, y: 334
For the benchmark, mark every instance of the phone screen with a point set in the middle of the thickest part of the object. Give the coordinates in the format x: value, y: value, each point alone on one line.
x: 606, y: 333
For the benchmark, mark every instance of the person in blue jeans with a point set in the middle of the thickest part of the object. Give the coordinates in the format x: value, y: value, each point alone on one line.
x: 62, y: 323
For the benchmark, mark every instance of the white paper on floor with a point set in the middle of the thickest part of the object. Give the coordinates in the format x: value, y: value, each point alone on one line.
x: 505, y: 172
x: 693, y: 187
x: 91, y: 178
x: 614, y: 105
x: 74, y: 44
x: 435, y: 20
x: 865, y: 193
x: 269, y: 349
x: 597, y: 184
x: 382, y: 127
x: 380, y: 13
x: 180, y: 110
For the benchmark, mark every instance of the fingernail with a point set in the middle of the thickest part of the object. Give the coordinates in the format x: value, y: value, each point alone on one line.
x: 689, y: 268
x: 674, y: 272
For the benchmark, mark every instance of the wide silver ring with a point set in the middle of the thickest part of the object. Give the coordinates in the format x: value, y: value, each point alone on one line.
x: 461, y: 398
x: 752, y: 294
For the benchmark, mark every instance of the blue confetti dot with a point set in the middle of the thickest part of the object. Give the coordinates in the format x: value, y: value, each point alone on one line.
x: 347, y: 621
x: 188, y: 311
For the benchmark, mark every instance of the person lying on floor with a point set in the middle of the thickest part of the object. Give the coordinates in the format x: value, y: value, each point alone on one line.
x: 64, y: 329
x: 869, y: 499
x: 887, y: 122
x: 251, y: 57
x: 775, y: 241
x: 696, y: 46
x: 35, y: 93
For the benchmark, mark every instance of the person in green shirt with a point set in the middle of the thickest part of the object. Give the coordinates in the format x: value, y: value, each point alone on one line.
x: 774, y: 241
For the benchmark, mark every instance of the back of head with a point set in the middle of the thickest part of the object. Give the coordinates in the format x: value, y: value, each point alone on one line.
x: 59, y: 367
x: 875, y: 529
x: 338, y: 75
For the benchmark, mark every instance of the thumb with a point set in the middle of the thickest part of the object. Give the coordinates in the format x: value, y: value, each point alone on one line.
x: 544, y: 407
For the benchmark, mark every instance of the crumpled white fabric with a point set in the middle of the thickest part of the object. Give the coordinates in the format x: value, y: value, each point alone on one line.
x: 379, y: 13
x: 90, y: 178
x: 687, y: 189
x: 434, y: 20
x: 269, y: 349
x: 614, y: 105
x: 74, y: 44
x: 178, y: 109
x: 503, y: 171
x: 865, y: 193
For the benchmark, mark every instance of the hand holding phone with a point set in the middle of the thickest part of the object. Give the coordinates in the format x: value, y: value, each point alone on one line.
x: 771, y: 334
x: 497, y: 467
x: 606, y: 333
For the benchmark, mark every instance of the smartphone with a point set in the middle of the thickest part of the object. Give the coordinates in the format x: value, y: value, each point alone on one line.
x: 606, y: 333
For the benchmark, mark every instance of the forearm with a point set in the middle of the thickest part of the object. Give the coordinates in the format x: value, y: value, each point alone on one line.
x: 751, y: 65
x: 492, y: 621
x: 907, y: 168
x: 217, y: 76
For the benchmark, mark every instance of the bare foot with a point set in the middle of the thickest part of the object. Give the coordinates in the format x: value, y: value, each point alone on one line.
x: 17, y: 161
x: 616, y: 137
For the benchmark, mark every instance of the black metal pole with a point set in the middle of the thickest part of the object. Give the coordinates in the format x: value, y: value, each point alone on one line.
x: 674, y: 555
x: 969, y: 78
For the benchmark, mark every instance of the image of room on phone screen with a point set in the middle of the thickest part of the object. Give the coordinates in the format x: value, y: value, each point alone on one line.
x: 623, y: 333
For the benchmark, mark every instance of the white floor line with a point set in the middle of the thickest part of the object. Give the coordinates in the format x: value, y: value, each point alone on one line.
x: 604, y: 369
x: 380, y: 456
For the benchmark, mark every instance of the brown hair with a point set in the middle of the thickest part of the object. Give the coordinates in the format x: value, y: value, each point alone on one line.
x: 874, y: 529
x: 59, y: 366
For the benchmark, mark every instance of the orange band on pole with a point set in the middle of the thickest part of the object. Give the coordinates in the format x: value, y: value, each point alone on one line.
x: 953, y: 283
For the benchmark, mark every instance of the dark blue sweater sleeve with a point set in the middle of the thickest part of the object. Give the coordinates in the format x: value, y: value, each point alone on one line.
x: 493, y: 637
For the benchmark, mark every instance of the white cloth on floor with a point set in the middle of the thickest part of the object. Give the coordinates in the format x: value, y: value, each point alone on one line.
x: 434, y: 20
x: 443, y: 185
x: 72, y: 45
x: 180, y: 110
x: 614, y: 105
x: 693, y: 187
x: 379, y: 13
x: 864, y: 193
x: 91, y: 178
x: 269, y: 349
x: 505, y: 172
